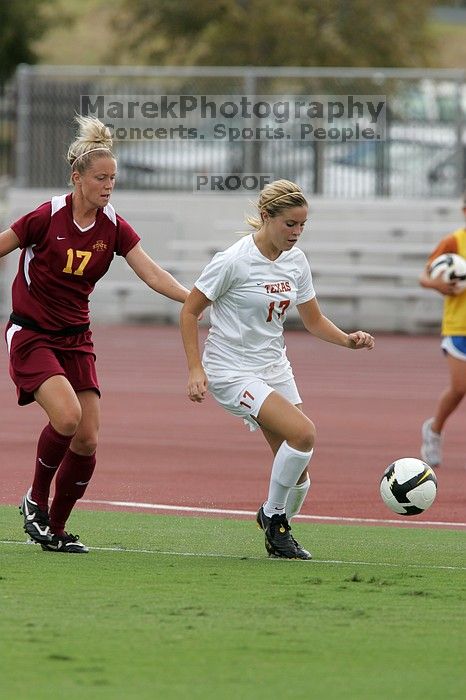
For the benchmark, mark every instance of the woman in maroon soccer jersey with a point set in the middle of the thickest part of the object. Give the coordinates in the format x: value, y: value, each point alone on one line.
x: 67, y: 245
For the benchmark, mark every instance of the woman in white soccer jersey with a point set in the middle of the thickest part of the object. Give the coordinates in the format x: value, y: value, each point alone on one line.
x: 251, y: 286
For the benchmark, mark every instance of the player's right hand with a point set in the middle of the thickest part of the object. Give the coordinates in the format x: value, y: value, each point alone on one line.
x: 445, y: 288
x: 197, y: 385
x: 448, y: 289
x: 456, y: 289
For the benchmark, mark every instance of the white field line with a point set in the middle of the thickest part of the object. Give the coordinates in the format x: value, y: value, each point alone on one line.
x: 214, y: 555
x: 249, y: 513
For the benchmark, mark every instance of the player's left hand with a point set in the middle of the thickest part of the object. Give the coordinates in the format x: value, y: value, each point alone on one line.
x: 360, y: 339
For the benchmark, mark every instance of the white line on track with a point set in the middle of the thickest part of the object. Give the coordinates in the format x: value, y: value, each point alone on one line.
x: 249, y: 513
x: 214, y: 555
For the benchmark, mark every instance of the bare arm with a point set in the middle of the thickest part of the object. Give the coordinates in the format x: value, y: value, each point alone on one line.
x: 321, y: 327
x: 438, y: 284
x: 193, y: 307
x: 8, y: 242
x: 155, y: 276
x: 447, y: 245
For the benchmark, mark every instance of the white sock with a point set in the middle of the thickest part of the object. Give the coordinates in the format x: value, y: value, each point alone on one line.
x: 287, y: 467
x: 296, y: 498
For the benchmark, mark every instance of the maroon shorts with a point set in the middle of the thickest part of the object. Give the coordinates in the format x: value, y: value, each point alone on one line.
x: 35, y: 357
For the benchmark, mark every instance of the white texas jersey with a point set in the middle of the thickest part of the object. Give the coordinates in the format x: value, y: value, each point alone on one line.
x: 251, y: 296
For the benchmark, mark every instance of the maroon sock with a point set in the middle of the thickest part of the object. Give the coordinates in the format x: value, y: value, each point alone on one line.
x: 51, y: 449
x: 72, y: 479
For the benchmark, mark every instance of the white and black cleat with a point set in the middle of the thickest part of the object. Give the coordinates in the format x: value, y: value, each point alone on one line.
x: 65, y: 544
x: 36, y: 520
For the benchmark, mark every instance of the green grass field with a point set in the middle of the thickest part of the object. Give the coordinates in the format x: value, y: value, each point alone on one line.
x: 178, y: 607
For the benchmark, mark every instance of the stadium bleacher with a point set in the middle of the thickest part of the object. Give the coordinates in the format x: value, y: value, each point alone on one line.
x: 366, y: 256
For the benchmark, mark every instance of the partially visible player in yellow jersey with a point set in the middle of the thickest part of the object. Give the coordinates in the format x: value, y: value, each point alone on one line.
x: 453, y: 345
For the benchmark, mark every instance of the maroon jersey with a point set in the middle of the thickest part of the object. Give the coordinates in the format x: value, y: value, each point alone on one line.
x: 60, y: 263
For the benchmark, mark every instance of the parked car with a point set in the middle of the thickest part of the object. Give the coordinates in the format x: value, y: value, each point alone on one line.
x: 396, y: 168
x: 417, y: 161
x: 173, y: 165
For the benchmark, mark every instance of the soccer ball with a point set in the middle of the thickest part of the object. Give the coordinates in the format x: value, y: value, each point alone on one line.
x: 408, y: 486
x: 451, y: 268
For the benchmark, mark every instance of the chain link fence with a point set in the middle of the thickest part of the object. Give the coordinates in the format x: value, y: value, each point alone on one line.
x: 7, y: 132
x: 421, y: 155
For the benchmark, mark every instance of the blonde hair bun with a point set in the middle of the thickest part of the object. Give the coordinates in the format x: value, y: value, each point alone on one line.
x: 274, y: 198
x: 93, y: 136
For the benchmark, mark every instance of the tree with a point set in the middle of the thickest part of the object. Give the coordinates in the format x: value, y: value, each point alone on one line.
x: 21, y: 24
x: 274, y: 32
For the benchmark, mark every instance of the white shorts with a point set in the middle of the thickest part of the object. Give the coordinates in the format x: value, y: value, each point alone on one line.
x: 243, y: 395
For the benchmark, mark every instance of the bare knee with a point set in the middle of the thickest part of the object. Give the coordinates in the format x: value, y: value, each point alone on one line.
x: 458, y: 392
x: 67, y: 422
x: 84, y: 444
x: 58, y: 399
x: 305, y: 436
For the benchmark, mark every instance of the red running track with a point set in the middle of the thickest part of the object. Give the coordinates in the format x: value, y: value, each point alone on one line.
x: 158, y: 447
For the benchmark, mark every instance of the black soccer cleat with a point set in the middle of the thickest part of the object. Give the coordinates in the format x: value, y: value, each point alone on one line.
x: 279, y: 542
x: 302, y: 553
x: 36, y: 521
x: 65, y: 544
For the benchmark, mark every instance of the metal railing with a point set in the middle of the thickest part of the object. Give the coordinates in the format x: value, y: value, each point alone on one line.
x: 7, y: 133
x: 422, y: 154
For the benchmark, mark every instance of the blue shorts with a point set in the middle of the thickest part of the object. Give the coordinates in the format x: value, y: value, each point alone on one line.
x: 455, y: 345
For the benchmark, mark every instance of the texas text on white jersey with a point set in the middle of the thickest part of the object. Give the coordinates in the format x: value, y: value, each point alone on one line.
x: 250, y: 297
